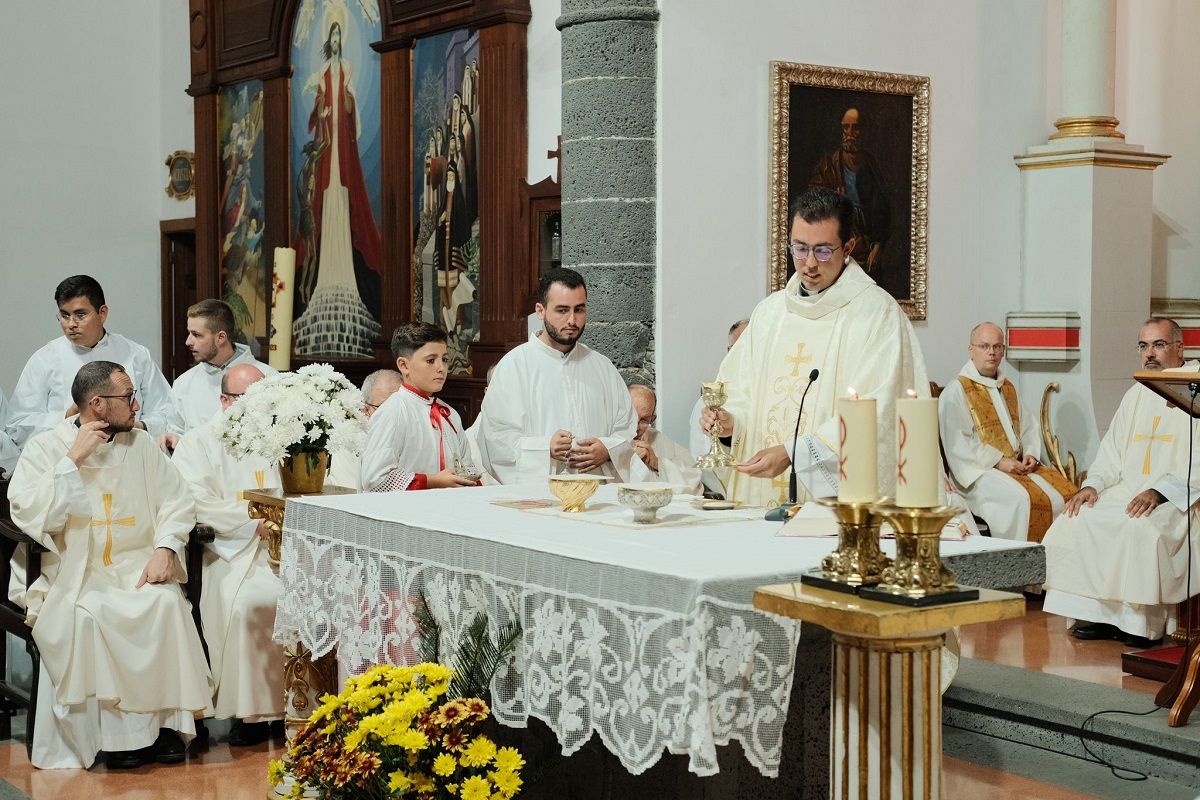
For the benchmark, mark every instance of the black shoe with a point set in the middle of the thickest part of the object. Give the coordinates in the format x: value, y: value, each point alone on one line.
x: 1140, y: 642
x: 169, y: 747
x: 1096, y: 630
x: 278, y: 731
x: 247, y: 734
x: 128, y: 759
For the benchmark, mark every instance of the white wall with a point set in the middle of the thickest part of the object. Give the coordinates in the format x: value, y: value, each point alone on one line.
x: 987, y: 64
x: 177, y: 116
x: 545, y: 87
x: 83, y: 146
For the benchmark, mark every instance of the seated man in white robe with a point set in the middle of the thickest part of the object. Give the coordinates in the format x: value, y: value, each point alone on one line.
x: 237, y: 605
x: 210, y: 338
x: 698, y: 441
x: 555, y: 405
x: 8, y: 448
x: 344, y: 466
x: 993, y: 449
x: 1117, y: 560
x: 42, y: 398
x: 661, y: 458
x: 123, y: 669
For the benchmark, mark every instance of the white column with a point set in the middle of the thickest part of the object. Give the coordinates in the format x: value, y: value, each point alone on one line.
x: 1089, y: 43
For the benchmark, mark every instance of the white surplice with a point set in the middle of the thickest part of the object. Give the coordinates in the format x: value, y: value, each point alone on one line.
x: 119, y: 662
x: 237, y: 604
x: 675, y: 464
x: 536, y: 391
x: 43, y: 392
x: 859, y: 338
x: 9, y: 453
x: 1102, y: 565
x: 404, y: 441
x: 195, y: 395
x: 990, y: 493
x: 345, y: 470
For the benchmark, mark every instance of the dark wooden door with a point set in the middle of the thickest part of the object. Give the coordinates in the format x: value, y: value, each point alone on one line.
x: 178, y: 292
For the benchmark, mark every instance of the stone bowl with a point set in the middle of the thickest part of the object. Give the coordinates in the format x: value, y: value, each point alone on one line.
x: 573, y: 490
x: 645, y: 499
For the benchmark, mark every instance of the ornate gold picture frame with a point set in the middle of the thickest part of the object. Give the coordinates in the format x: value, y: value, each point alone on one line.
x: 865, y: 134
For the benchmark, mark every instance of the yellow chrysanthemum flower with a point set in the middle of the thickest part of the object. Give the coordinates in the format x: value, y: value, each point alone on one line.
x: 399, y: 781
x: 508, y: 759
x: 413, y: 741
x: 452, y: 788
x: 275, y: 772
x: 476, y: 788
x: 423, y: 783
x: 444, y: 765
x: 508, y: 783
x: 479, y: 753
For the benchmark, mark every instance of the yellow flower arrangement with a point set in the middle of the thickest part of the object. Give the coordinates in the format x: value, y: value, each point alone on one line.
x: 392, y: 732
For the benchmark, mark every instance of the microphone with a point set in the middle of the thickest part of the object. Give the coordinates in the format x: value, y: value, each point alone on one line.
x: 780, y: 514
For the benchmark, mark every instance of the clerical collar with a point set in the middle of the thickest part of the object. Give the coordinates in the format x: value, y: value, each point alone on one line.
x: 806, y: 293
x: 970, y: 371
x: 564, y: 356
x: 214, y: 369
x: 80, y: 348
x: 111, y: 436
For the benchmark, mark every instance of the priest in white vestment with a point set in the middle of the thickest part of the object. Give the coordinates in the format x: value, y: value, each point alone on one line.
x: 414, y: 440
x: 42, y: 398
x: 195, y: 393
x: 554, y: 405
x: 1118, y: 560
x: 123, y: 669
x: 698, y: 441
x: 830, y: 316
x: 344, y: 465
x: 994, y: 450
x: 8, y: 448
x: 659, y: 458
x: 240, y: 590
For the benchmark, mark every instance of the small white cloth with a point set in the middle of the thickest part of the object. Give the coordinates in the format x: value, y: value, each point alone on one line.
x: 195, y: 396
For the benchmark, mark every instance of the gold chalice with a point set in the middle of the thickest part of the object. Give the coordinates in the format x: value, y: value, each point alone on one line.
x: 713, y: 395
x: 573, y: 490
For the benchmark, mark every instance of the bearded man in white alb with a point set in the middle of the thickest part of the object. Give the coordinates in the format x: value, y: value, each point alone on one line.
x: 661, y: 459
x: 555, y: 405
x: 1117, y: 560
x: 993, y: 449
x: 237, y: 604
x: 345, y: 466
x: 123, y: 669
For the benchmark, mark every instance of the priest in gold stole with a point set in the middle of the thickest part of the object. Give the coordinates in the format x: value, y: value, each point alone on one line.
x: 1117, y: 560
x: 830, y: 316
x: 993, y: 450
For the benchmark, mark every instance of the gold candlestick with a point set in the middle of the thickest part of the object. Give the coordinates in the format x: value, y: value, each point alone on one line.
x: 918, y: 577
x: 858, y: 561
x: 714, y: 396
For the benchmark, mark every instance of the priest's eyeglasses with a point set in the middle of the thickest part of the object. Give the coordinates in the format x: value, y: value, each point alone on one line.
x: 823, y: 252
x: 1158, y: 345
x: 990, y: 348
x: 130, y: 398
x: 65, y: 317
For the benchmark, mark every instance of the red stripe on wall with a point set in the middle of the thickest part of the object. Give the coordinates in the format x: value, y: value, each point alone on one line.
x: 1043, y: 337
x: 1191, y: 337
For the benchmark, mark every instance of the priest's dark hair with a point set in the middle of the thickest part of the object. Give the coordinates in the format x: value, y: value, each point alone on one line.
x: 92, y: 379
x: 567, y: 277
x: 216, y: 313
x: 80, y: 286
x: 817, y: 204
x: 412, y: 336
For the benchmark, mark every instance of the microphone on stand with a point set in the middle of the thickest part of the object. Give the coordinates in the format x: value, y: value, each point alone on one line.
x: 780, y: 513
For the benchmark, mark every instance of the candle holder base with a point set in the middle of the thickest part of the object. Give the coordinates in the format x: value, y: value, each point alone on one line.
x: 957, y: 595
x: 820, y: 578
x: 918, y: 577
x: 858, y: 561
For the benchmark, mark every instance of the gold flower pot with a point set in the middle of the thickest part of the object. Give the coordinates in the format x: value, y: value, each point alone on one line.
x: 304, y: 473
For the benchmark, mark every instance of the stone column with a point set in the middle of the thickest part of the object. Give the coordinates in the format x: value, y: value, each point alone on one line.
x: 609, y: 168
x: 1089, y: 44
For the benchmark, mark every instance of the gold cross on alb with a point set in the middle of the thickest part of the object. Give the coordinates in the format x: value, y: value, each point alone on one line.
x: 1166, y: 438
x: 108, y: 523
x: 797, y: 360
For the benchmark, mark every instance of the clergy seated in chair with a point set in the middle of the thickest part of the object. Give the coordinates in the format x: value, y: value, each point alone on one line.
x: 659, y: 458
x: 123, y: 668
x: 240, y: 590
x: 1117, y: 560
x: 345, y: 466
x: 993, y: 450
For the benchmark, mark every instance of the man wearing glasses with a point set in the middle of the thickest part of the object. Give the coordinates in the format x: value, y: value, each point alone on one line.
x: 830, y: 316
x: 42, y: 398
x: 344, y: 466
x: 993, y: 450
x: 1117, y: 560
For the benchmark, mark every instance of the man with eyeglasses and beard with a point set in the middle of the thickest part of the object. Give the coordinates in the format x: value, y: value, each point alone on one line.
x: 993, y: 449
x: 1117, y: 560
x: 123, y: 669
x: 553, y: 404
x: 42, y: 398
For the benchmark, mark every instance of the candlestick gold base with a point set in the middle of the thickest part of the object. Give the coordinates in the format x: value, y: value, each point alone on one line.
x: 918, y: 577
x: 858, y: 561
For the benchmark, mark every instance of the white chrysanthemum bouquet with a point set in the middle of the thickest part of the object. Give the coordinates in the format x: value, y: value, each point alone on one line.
x: 310, y: 411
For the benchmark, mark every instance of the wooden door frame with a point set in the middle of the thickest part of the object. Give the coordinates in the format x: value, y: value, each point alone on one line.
x: 166, y: 229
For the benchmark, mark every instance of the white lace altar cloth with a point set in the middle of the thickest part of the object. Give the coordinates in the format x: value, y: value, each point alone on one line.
x: 647, y: 638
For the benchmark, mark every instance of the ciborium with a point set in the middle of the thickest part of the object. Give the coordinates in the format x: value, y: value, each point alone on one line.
x: 713, y: 395
x: 918, y: 577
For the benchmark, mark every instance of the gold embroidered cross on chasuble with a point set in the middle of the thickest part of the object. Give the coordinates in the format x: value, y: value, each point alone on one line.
x: 1166, y: 438
x: 108, y: 523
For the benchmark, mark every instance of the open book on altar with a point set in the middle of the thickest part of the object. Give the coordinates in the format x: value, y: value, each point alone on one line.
x: 1172, y: 384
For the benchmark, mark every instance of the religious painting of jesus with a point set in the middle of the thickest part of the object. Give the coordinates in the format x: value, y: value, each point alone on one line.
x: 336, y: 177
x: 865, y: 135
x: 445, y: 257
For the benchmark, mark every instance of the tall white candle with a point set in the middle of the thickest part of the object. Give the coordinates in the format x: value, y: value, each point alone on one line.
x: 917, y: 452
x: 283, y: 287
x: 858, y: 481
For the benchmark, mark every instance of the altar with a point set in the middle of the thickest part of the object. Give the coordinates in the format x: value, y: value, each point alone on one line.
x: 644, y: 636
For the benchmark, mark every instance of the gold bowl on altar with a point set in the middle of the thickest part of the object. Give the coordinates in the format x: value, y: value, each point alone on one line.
x: 574, y: 490
x: 645, y: 499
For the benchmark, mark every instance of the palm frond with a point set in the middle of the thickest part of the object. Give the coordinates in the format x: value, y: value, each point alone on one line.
x: 429, y: 632
x: 479, y: 657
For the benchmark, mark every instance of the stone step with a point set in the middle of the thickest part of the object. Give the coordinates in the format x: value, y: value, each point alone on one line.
x: 1045, y: 711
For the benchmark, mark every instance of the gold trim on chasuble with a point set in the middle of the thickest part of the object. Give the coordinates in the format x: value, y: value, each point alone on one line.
x: 1166, y: 438
x: 990, y: 430
x: 108, y: 523
x: 778, y: 414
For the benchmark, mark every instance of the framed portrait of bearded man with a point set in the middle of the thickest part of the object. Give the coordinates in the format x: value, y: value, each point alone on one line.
x: 866, y: 136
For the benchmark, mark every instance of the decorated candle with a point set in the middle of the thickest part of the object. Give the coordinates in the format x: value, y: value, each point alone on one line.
x: 283, y: 284
x: 857, y: 445
x: 917, y: 452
